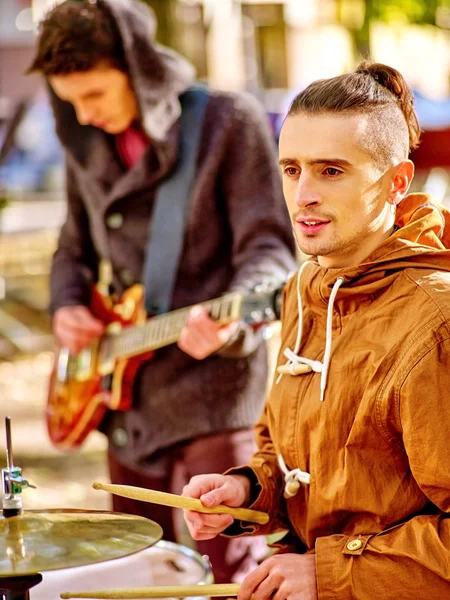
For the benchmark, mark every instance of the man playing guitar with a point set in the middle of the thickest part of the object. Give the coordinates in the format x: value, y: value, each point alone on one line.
x: 116, y: 100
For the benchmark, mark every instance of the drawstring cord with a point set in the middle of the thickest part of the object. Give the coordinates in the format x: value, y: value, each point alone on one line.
x: 293, y: 359
x: 329, y: 337
x: 295, y: 477
x: 292, y: 478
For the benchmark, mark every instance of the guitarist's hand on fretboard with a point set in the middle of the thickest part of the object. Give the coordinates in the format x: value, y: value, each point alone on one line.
x: 103, y: 348
x: 201, y: 336
x: 75, y: 327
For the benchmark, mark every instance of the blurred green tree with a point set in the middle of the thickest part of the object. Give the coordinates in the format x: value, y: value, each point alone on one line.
x: 412, y: 11
x: 392, y: 11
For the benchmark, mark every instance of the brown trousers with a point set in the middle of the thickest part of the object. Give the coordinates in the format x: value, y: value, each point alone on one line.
x: 231, y: 558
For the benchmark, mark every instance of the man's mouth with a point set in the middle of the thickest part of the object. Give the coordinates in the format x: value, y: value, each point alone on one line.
x: 100, y: 124
x: 311, y: 226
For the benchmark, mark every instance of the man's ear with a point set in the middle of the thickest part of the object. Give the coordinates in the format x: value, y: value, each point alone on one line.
x: 402, y: 176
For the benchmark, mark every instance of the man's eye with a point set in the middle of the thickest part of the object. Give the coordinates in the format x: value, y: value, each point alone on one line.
x: 291, y: 171
x: 332, y: 172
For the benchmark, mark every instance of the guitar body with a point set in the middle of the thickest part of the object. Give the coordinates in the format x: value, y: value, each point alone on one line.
x: 101, y: 377
x: 84, y: 387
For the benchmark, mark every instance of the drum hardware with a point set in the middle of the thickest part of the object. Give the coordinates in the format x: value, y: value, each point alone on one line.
x: 12, y: 481
x: 174, y: 501
x: 163, y: 591
x: 42, y: 540
x: 162, y: 564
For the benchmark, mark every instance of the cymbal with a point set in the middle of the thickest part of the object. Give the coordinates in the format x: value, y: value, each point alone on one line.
x: 43, y: 540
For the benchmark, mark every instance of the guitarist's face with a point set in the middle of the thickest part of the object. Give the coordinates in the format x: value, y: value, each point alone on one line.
x: 102, y: 97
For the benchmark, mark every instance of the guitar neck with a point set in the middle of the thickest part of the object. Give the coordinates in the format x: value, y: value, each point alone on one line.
x: 163, y: 330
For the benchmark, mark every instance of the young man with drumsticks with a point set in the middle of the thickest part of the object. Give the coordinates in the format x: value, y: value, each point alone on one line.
x: 354, y: 440
x: 119, y: 101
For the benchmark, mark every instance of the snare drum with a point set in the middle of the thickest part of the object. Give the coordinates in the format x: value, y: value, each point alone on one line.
x: 165, y: 563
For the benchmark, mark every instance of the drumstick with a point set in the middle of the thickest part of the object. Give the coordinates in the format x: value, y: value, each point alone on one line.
x: 136, y: 493
x: 163, y: 591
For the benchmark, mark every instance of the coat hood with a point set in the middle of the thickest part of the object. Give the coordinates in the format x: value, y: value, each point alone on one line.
x: 421, y: 241
x: 158, y: 75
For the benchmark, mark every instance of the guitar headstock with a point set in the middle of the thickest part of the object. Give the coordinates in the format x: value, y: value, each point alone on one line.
x: 262, y: 304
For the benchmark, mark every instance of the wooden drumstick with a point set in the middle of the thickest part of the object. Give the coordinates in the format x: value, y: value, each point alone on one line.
x: 163, y: 591
x: 165, y: 499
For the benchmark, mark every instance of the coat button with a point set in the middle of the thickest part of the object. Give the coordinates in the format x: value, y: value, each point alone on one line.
x: 354, y: 545
x: 127, y: 277
x: 119, y: 437
x: 114, y: 220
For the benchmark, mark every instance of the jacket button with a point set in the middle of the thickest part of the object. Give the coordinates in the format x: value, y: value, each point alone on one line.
x: 114, y: 221
x: 354, y: 545
x: 119, y: 437
x: 127, y: 277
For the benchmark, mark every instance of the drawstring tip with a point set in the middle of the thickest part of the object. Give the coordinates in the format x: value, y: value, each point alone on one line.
x: 291, y: 488
x: 294, y: 369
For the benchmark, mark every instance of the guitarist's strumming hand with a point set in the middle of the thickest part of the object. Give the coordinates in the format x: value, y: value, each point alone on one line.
x: 201, y: 336
x: 75, y: 327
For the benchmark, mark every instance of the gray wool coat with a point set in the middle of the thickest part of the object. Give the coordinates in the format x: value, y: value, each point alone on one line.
x: 237, y: 234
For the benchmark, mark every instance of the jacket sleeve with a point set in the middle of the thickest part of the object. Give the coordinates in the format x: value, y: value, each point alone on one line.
x: 263, y: 247
x: 74, y: 264
x: 412, y: 559
x: 267, y: 480
x: 267, y: 485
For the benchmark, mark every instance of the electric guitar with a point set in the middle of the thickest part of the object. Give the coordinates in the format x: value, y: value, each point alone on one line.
x: 100, y: 378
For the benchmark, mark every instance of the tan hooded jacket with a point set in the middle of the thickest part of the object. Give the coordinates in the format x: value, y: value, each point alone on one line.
x: 376, y: 449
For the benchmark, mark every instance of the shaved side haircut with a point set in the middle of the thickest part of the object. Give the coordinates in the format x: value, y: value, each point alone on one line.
x: 376, y: 91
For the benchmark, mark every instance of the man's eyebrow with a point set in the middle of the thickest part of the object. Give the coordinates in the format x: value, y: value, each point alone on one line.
x: 339, y: 162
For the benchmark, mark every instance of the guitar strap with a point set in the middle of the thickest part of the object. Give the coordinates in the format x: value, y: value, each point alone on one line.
x: 168, y: 222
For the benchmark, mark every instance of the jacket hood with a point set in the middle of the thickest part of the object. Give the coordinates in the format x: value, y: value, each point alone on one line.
x: 158, y: 75
x: 422, y: 240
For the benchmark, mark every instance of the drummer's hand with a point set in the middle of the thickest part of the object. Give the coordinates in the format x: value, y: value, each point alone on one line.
x: 214, y: 489
x: 201, y: 336
x: 75, y: 327
x: 282, y: 577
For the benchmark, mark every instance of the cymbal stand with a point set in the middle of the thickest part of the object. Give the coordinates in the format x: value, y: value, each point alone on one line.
x: 18, y: 588
x: 14, y: 588
x: 12, y: 481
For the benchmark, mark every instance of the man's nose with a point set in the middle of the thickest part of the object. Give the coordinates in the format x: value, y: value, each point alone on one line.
x: 306, y: 195
x: 84, y: 114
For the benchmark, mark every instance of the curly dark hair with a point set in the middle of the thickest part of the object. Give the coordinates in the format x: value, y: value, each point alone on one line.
x: 76, y: 36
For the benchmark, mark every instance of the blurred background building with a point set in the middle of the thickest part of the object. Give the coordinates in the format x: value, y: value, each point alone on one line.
x: 271, y: 48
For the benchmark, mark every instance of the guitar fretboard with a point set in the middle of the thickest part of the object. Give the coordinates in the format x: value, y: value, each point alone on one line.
x: 163, y: 330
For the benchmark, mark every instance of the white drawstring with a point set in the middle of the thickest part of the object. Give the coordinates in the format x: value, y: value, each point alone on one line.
x: 292, y: 478
x: 298, y: 359
x: 329, y: 337
x: 292, y: 355
x: 315, y: 365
